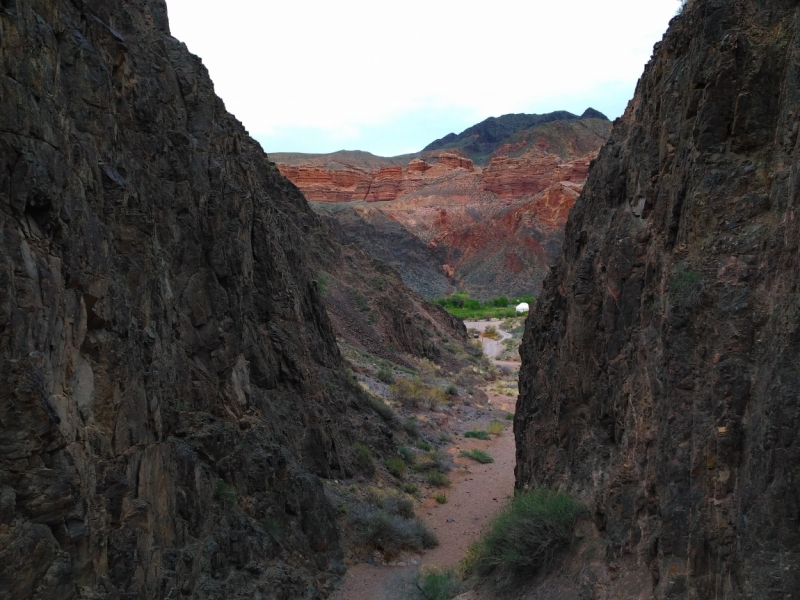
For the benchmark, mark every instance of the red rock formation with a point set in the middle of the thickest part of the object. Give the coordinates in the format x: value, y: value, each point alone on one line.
x: 514, y: 209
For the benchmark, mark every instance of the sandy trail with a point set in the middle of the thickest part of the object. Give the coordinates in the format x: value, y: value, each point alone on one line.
x: 476, y: 495
x: 491, y: 347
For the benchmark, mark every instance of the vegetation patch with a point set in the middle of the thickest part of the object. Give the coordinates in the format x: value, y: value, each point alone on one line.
x: 424, y: 446
x: 526, y: 535
x: 441, y: 498
x: 478, y: 435
x: 384, y: 410
x: 437, y: 479
x: 464, y: 307
x: 386, y: 375
x: 397, y: 467
x: 495, y: 428
x: 224, y: 492
x: 478, y: 456
x: 363, y: 458
x: 416, y: 393
x: 439, y: 584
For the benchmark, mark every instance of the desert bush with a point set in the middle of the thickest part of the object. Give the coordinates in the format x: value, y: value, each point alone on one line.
x: 433, y: 461
x: 441, y: 498
x: 423, y: 445
x: 491, y: 332
x: 478, y: 456
x: 224, y: 492
x: 495, y: 428
x: 385, y: 375
x: 409, y: 392
x: 478, y: 435
x: 411, y: 427
x: 509, y: 416
x: 363, y: 458
x: 451, y: 390
x: 384, y: 410
x: 392, y: 533
x: 437, y: 479
x: 428, y: 370
x: 397, y: 467
x: 526, y: 535
x: 407, y: 455
x: 412, y: 489
x: 439, y: 584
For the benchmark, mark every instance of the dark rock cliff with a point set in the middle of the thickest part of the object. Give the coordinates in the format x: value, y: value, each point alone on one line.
x: 661, y: 367
x: 170, y: 385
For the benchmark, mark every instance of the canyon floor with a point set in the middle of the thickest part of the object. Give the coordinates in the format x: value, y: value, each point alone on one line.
x: 477, y: 493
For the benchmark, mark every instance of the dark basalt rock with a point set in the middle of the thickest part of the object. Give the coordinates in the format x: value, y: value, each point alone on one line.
x: 170, y: 384
x: 661, y: 367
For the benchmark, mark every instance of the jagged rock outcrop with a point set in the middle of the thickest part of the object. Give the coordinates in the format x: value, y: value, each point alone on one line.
x: 170, y: 384
x: 487, y: 228
x: 660, y: 380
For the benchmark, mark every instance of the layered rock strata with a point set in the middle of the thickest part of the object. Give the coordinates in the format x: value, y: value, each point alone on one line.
x: 660, y: 380
x: 446, y: 223
x: 171, y: 390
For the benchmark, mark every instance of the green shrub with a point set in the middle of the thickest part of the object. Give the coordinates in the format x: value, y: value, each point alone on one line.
x: 451, y: 390
x: 392, y: 502
x: 225, y: 492
x: 441, y: 498
x: 526, y: 535
x: 363, y: 458
x: 433, y: 461
x: 424, y: 446
x: 411, y: 427
x: 392, y: 533
x: 437, y: 479
x: 478, y: 455
x: 407, y: 455
x: 384, y: 410
x: 495, y: 428
x: 397, y: 467
x: 478, y: 435
x: 509, y: 416
x: 410, y: 488
x: 386, y: 375
x: 439, y: 584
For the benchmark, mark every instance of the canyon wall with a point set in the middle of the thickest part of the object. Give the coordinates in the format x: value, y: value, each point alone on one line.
x: 446, y: 222
x: 171, y: 390
x: 661, y: 367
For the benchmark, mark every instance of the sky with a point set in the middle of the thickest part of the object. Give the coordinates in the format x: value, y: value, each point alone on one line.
x: 389, y: 77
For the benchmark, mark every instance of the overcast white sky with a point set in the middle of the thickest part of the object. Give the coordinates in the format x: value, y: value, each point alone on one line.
x: 389, y: 77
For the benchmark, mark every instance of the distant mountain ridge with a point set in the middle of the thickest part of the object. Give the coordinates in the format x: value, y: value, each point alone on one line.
x: 480, y: 141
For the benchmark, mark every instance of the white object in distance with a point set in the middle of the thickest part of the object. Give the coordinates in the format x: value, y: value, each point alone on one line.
x: 523, y: 307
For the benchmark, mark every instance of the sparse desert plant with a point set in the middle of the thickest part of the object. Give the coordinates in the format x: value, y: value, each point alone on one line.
x: 409, y: 392
x: 451, y: 390
x: 384, y: 410
x: 495, y: 428
x: 411, y: 489
x: 407, y: 455
x: 437, y: 479
x: 433, y: 461
x: 441, y: 498
x: 478, y: 435
x: 423, y: 445
x: 392, y: 533
x: 526, y: 535
x: 397, y: 467
x: 385, y: 375
x: 428, y: 370
x: 411, y: 427
x: 491, y: 332
x: 224, y: 492
x: 439, y: 584
x: 363, y: 458
x: 478, y: 456
x: 509, y: 416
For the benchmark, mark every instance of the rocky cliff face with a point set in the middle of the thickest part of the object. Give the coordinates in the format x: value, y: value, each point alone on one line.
x: 170, y: 386
x: 446, y: 223
x: 660, y: 379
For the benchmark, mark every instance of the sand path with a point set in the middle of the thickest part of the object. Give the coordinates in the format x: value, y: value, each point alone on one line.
x: 477, y: 493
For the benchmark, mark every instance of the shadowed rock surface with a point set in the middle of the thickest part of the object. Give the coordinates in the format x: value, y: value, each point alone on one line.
x: 170, y: 385
x: 661, y: 366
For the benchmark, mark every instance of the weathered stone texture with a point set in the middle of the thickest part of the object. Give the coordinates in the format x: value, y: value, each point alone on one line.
x: 661, y: 367
x: 163, y: 348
